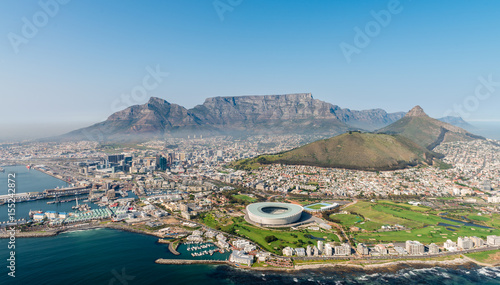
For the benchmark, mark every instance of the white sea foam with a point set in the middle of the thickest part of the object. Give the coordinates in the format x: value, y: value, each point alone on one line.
x: 485, y: 271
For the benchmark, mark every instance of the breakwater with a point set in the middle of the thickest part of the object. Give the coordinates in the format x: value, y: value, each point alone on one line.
x: 171, y: 246
x: 56, y: 231
x: 190, y: 261
x: 172, y: 249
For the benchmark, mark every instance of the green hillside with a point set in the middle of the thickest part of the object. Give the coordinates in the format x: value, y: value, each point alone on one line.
x: 353, y: 150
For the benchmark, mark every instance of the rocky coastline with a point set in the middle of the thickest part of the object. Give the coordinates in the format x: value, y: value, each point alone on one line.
x: 389, y: 266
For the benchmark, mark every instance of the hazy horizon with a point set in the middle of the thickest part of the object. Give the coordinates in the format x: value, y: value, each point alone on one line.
x: 80, y: 61
x: 34, y: 131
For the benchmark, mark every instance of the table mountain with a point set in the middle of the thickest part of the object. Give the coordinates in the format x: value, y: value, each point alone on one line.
x: 290, y: 113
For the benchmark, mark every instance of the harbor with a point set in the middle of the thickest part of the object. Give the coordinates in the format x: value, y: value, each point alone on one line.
x: 41, y: 192
x: 202, y: 249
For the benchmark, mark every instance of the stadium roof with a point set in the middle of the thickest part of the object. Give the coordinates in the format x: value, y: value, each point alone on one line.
x: 291, y: 209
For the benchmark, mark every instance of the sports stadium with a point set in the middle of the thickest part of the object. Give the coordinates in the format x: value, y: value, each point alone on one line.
x: 273, y: 213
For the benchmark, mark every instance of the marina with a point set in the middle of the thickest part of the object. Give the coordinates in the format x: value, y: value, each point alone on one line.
x: 201, y: 249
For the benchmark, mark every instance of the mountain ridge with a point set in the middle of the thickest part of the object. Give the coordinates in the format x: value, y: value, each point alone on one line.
x: 288, y: 113
x: 417, y: 126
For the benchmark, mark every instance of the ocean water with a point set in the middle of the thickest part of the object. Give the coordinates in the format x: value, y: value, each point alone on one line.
x: 106, y: 256
x: 489, y: 130
x: 29, y: 180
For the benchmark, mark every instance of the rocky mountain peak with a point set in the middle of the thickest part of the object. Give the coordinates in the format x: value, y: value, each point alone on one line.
x: 156, y: 100
x: 416, y: 111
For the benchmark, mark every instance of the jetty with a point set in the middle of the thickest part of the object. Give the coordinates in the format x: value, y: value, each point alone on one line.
x: 164, y: 241
x: 172, y: 249
x: 171, y: 246
x: 190, y: 261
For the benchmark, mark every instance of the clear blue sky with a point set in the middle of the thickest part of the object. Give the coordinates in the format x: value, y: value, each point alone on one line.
x: 71, y: 71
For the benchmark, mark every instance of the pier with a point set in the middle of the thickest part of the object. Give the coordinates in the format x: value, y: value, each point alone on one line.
x: 189, y: 261
x: 46, y: 194
x: 67, y: 191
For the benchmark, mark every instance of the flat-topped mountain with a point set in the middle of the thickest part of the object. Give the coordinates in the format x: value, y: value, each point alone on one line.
x: 426, y: 131
x: 272, y: 114
x: 352, y: 150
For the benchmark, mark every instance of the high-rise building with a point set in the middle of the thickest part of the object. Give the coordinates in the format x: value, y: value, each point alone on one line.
x: 149, y: 162
x: 320, y: 245
x: 182, y: 156
x: 241, y: 258
x: 344, y: 249
x: 328, y: 249
x: 300, y: 251
x: 315, y: 251
x: 493, y: 240
x: 161, y: 163
x: 477, y: 241
x: 414, y: 247
x: 288, y: 251
x: 465, y: 243
x: 127, y: 160
x: 381, y: 249
x: 450, y: 245
x: 115, y: 158
x: 308, y: 250
x: 362, y: 249
x: 433, y: 248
